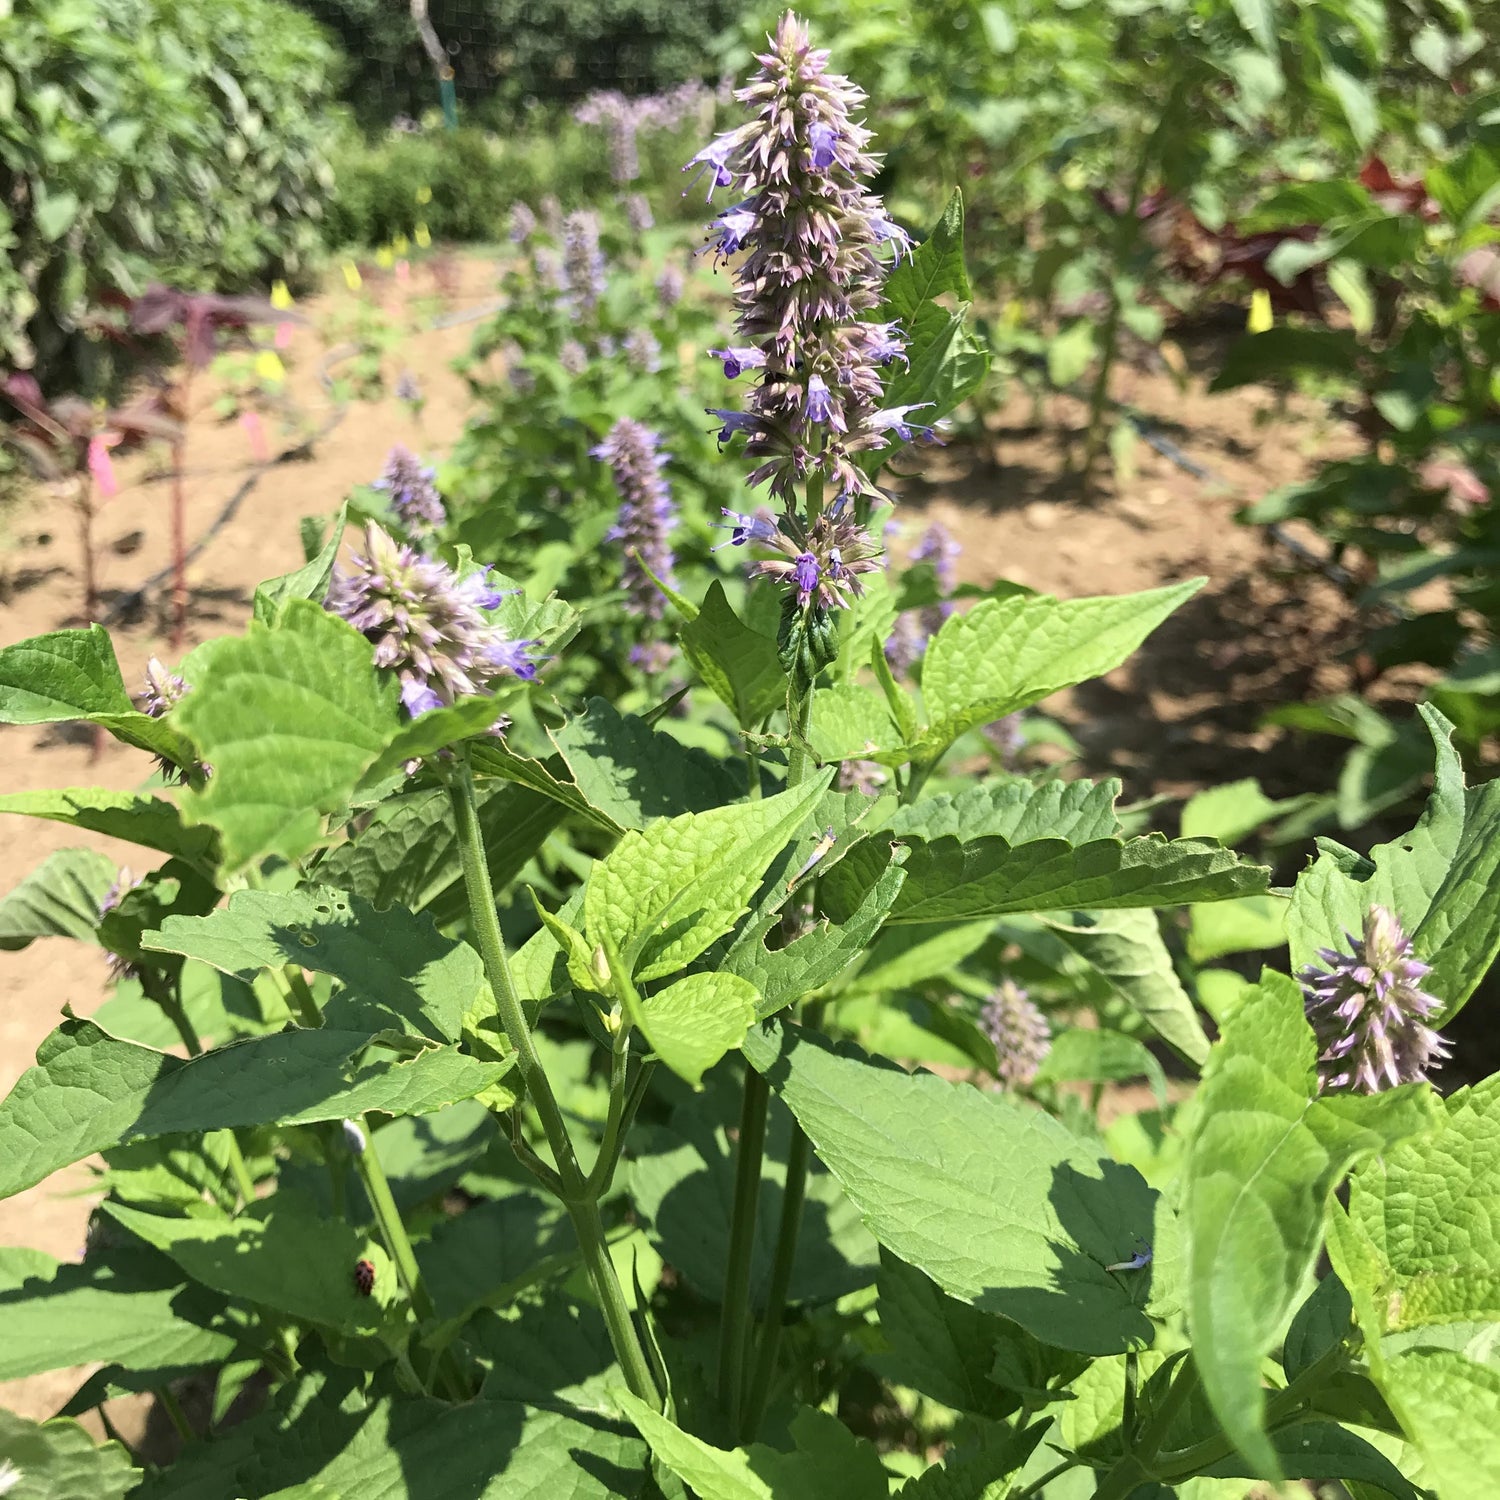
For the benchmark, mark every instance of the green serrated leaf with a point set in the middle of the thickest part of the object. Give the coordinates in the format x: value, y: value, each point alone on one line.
x: 1006, y: 654
x: 994, y: 1200
x: 396, y: 969
x: 60, y: 898
x: 633, y: 773
x: 58, y: 1460
x: 1125, y: 949
x: 691, y: 1024
x: 89, y: 1091
x: 289, y: 718
x: 850, y: 722
x: 934, y: 268
x: 427, y: 734
x: 740, y: 665
x: 127, y: 1307
x: 1450, y: 1407
x: 152, y: 822
x: 662, y: 895
x: 279, y: 1253
x: 953, y: 880
x: 1265, y: 1156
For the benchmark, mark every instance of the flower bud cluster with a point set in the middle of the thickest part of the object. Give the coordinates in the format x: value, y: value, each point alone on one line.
x: 414, y: 496
x: 820, y: 562
x: 1368, y: 1011
x: 428, y: 624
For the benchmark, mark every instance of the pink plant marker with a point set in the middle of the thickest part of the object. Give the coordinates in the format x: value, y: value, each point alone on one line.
x: 283, y: 337
x: 100, y: 467
x: 403, y: 272
x: 255, y: 431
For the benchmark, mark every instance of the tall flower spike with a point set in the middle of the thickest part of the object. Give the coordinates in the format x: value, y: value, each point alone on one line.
x: 1020, y: 1033
x: 427, y: 624
x: 633, y: 453
x: 583, y: 260
x: 522, y: 222
x: 812, y: 269
x: 414, y: 496
x: 1369, y: 1013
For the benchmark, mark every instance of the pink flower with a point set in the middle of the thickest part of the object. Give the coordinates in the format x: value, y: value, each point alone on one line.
x: 283, y: 336
x: 100, y: 467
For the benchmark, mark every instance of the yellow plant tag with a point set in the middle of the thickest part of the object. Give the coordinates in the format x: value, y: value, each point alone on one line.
x: 400, y: 244
x: 424, y: 195
x: 422, y: 235
x: 352, y: 278
x: 1261, y: 319
x: 268, y: 366
x: 385, y: 257
x: 281, y: 298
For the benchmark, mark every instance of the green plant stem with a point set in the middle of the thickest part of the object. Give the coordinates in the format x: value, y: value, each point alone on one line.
x: 799, y: 1159
x: 239, y: 1169
x: 1038, y: 1485
x: 601, y: 1179
x: 734, y: 1331
x: 169, y: 1403
x: 299, y: 997
x: 398, y: 1245
x: 582, y: 1206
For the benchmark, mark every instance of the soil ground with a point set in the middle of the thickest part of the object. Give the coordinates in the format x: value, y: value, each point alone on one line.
x: 1185, y: 712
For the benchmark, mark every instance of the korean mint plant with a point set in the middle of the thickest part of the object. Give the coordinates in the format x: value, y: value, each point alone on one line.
x: 514, y: 1083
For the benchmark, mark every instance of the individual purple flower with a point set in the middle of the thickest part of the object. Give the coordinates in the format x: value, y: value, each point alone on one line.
x: 821, y: 561
x: 633, y: 453
x: 638, y: 212
x: 738, y: 360
x: 669, y: 286
x: 413, y: 495
x: 1020, y: 1033
x: 522, y: 222
x: 939, y: 547
x: 573, y: 357
x: 906, y: 643
x: 1368, y: 1011
x: 427, y: 623
x: 583, y: 261
x: 652, y: 657
x: 811, y: 272
x: 163, y: 688
x: 642, y: 350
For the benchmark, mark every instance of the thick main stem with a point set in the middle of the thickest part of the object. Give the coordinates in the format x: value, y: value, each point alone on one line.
x: 734, y: 1330
x: 582, y: 1206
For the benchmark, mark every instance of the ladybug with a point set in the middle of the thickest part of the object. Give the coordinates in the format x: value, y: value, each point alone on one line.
x: 364, y: 1277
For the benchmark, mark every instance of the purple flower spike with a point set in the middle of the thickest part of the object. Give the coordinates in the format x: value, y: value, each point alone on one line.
x: 647, y: 515
x: 810, y: 234
x: 414, y: 496
x: 163, y: 689
x: 426, y: 623
x: 583, y: 261
x: 1368, y: 1012
x: 522, y: 222
x: 1020, y: 1033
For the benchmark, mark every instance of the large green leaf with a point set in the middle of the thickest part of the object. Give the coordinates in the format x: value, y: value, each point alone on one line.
x: 152, y: 822
x: 397, y: 969
x: 1263, y: 1161
x: 408, y: 852
x: 945, y: 364
x: 88, y: 1091
x: 498, y: 760
x: 633, y: 773
x: 336, y: 1444
x: 997, y: 1202
x: 1450, y: 1407
x: 682, y: 1183
x: 73, y: 674
x: 310, y: 581
x: 953, y: 880
x: 692, y: 1023
x: 1008, y: 653
x: 1014, y: 809
x: 662, y: 895
x: 783, y: 975
x: 739, y: 664
x: 58, y: 1460
x: 1430, y: 1208
x: 1125, y: 949
x: 849, y: 722
x: 828, y: 1460
x: 279, y: 1253
x: 934, y: 268
x: 131, y: 1307
x: 289, y: 718
x: 60, y: 898
x: 1324, y: 1450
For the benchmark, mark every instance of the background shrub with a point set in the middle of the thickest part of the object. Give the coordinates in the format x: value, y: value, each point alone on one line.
x: 179, y: 140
